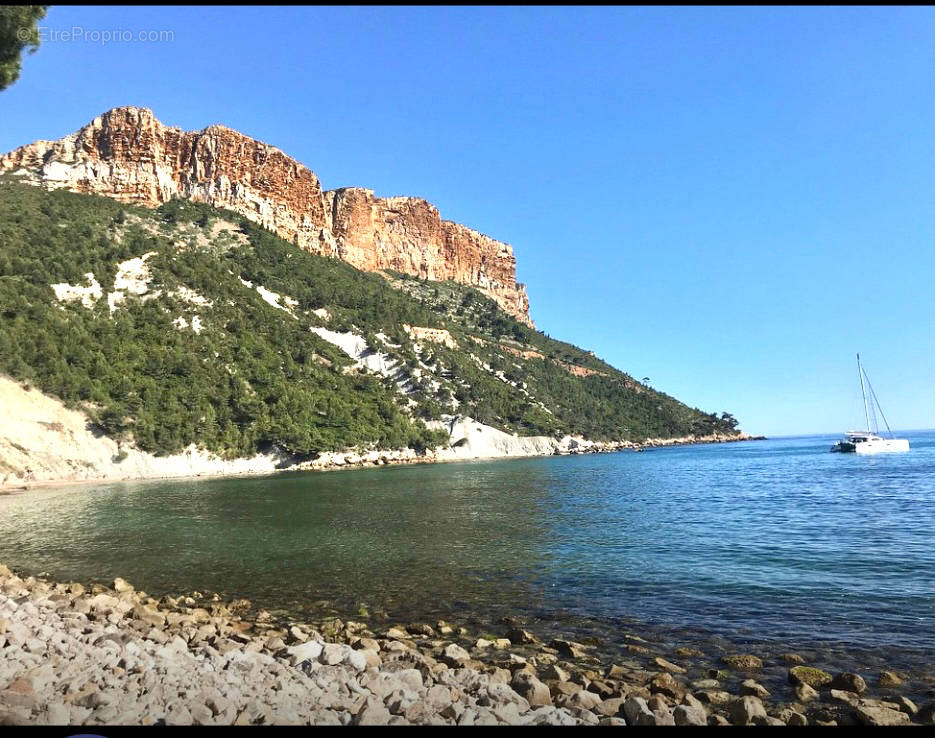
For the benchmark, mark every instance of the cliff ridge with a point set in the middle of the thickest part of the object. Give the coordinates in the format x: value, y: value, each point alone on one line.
x: 129, y: 155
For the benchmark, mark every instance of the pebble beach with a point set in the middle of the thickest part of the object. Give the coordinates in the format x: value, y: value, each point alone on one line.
x: 95, y: 654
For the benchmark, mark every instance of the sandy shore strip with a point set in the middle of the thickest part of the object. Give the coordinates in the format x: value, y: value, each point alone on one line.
x: 75, y: 654
x: 350, y: 460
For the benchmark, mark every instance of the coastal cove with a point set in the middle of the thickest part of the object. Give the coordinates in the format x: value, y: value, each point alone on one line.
x: 487, y: 392
x: 760, y: 547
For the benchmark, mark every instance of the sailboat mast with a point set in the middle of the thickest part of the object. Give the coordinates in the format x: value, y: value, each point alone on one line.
x: 860, y: 373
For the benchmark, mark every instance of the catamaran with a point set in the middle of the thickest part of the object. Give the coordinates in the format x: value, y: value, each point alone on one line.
x: 869, y: 442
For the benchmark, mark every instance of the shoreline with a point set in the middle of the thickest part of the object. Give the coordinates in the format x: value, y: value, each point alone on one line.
x: 345, y: 460
x: 91, y: 654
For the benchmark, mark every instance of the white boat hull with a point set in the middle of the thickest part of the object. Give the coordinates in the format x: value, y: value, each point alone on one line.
x: 867, y: 441
x: 882, y: 446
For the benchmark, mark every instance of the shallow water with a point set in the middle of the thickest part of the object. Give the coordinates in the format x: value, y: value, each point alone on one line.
x: 777, y: 541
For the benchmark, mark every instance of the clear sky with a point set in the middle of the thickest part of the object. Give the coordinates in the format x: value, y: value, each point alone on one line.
x: 730, y: 201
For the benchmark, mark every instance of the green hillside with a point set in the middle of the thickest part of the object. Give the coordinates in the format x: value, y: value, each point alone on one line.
x: 253, y: 375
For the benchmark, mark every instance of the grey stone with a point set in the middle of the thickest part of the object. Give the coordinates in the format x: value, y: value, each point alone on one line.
x: 602, y: 689
x: 713, y: 696
x: 849, y: 682
x: 569, y: 649
x: 357, y: 660
x: 665, y: 683
x: 373, y: 713
x: 333, y: 653
x: 809, y: 675
x: 746, y: 710
x: 438, y: 697
x: 583, y: 699
x: 486, y: 716
x: 57, y: 713
x: 411, y: 678
x: 744, y: 662
x: 668, y: 665
x: 555, y: 673
x: 635, y: 707
x: 690, y: 700
x: 877, y: 715
x: 611, y: 707
x: 201, y: 714
x: 584, y: 717
x: 754, y: 689
x: 688, y: 715
x: 839, y: 695
x: 518, y: 635
x: 307, y: 651
x: 507, y: 713
x: 889, y: 680
x: 455, y: 656
x: 503, y: 694
x: 13, y: 715
x: 805, y: 693
x: 177, y: 714
x: 535, y: 692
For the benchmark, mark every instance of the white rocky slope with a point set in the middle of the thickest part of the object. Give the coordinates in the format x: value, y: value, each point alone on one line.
x: 43, y: 441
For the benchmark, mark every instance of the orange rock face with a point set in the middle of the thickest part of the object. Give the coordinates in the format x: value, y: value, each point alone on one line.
x: 129, y: 155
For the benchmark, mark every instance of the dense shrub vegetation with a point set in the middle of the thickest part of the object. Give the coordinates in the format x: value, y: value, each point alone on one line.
x: 606, y: 405
x: 255, y: 376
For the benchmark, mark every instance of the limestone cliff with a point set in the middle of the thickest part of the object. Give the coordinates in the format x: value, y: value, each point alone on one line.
x: 129, y: 155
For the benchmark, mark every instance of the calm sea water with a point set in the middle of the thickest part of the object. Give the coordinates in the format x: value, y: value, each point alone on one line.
x: 775, y: 540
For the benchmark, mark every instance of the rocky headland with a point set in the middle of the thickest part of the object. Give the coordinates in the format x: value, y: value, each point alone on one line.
x: 129, y: 155
x: 334, y: 368
x: 89, y: 654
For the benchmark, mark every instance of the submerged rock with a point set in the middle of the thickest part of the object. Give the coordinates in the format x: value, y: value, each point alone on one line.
x: 889, y: 679
x: 744, y: 662
x: 849, y: 682
x: 668, y: 665
x: 754, y: 689
x: 804, y: 693
x: 518, y: 635
x: 809, y: 675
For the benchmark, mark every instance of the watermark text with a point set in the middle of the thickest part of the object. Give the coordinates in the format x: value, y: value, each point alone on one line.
x: 98, y: 35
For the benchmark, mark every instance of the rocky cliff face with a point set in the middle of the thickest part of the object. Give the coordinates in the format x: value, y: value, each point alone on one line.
x: 129, y: 155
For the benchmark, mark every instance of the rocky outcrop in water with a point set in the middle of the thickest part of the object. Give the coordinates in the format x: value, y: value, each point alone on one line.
x: 129, y: 155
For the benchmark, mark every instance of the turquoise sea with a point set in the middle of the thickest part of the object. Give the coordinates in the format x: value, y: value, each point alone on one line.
x: 778, y: 543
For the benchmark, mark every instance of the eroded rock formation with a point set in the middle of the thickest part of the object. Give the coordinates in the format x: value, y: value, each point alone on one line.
x: 129, y: 155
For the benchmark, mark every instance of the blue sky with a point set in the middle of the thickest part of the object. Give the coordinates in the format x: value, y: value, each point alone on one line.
x: 730, y: 201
